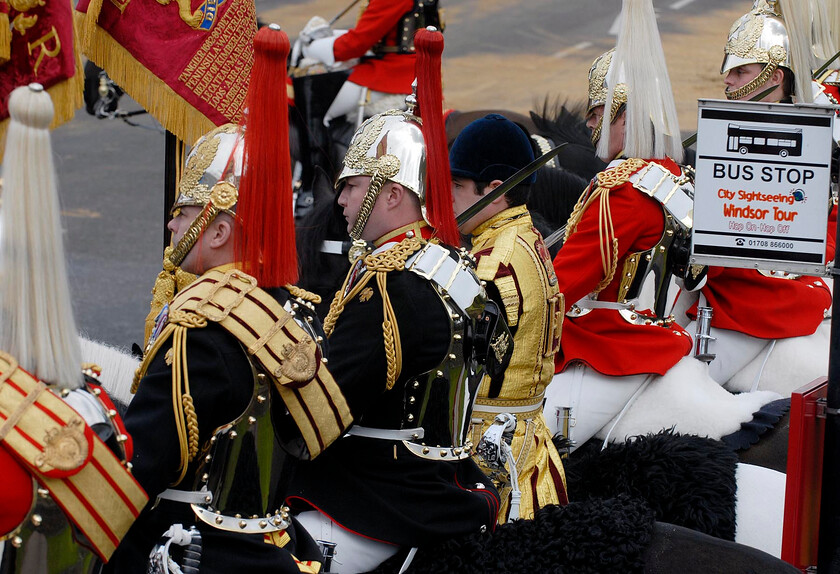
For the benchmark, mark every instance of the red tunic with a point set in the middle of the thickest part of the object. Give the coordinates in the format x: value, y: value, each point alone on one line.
x: 391, y: 73
x: 746, y: 301
x: 602, y: 338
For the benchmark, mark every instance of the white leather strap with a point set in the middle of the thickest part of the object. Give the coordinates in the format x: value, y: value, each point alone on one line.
x: 386, y: 434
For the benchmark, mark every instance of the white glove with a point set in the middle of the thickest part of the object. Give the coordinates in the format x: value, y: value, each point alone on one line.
x: 321, y: 50
x: 315, y: 29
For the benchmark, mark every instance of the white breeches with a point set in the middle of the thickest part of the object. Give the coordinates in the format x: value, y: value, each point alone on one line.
x: 353, y: 97
x: 353, y: 553
x: 593, y: 400
x: 733, y: 351
x: 615, y: 408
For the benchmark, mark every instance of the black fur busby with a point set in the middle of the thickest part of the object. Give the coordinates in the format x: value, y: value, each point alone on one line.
x: 491, y: 148
x: 687, y: 480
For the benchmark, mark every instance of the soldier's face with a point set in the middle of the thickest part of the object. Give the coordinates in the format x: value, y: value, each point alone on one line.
x: 351, y: 197
x: 742, y: 75
x: 616, y: 130
x: 464, y: 194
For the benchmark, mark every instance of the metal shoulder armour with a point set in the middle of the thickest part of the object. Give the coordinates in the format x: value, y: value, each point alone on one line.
x: 235, y: 482
x: 440, y: 401
x: 424, y: 13
x: 671, y: 253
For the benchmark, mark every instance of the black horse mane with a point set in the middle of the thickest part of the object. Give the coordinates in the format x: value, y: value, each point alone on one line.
x: 563, y: 122
x: 321, y: 272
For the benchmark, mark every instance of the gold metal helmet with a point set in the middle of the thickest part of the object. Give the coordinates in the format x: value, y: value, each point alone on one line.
x: 210, y: 181
x: 387, y: 147
x: 758, y: 37
x: 600, y: 77
x: 215, y: 159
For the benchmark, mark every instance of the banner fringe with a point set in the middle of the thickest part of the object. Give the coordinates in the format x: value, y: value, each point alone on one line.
x: 162, y: 102
x: 67, y: 97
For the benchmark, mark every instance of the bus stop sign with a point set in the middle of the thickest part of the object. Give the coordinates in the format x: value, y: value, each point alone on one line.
x: 762, y: 186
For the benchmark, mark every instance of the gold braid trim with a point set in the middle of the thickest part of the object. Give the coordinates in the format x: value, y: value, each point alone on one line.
x: 340, y: 300
x: 390, y: 334
x: 607, y: 181
x: 302, y: 294
x: 392, y: 259
x: 336, y: 307
x: 192, y: 423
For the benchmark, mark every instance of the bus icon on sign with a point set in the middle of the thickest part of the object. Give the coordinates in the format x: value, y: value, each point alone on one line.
x: 773, y: 141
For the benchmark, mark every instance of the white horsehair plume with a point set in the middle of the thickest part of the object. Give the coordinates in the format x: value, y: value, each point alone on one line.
x: 652, y: 129
x: 797, y: 17
x: 37, y: 326
x: 833, y: 12
x: 825, y: 44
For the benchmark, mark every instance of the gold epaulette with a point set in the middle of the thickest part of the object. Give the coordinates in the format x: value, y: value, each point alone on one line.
x: 57, y: 447
x: 272, y: 338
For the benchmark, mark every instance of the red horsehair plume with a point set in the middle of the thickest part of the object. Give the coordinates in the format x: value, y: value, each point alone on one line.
x: 265, y: 207
x: 439, y: 211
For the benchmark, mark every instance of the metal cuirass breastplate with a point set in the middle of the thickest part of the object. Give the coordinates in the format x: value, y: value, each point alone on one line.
x: 239, y: 470
x: 440, y: 401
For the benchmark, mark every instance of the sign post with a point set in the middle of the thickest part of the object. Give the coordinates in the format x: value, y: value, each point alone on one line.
x: 762, y: 187
x: 762, y: 201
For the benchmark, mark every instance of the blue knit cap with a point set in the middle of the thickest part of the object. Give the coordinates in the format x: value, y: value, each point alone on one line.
x: 491, y: 148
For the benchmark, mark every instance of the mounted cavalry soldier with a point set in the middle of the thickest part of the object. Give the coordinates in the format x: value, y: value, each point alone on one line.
x: 232, y: 361
x: 404, y: 350
x: 619, y: 347
x: 380, y: 49
x: 68, y: 491
x: 769, y: 48
x: 513, y: 260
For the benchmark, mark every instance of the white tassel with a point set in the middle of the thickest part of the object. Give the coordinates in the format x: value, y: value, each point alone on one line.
x: 36, y: 314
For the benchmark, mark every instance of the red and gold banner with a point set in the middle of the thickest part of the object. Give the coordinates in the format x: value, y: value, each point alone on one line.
x: 186, y: 61
x: 41, y: 49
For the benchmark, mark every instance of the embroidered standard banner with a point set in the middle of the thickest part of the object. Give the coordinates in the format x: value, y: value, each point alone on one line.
x: 186, y: 61
x: 41, y: 49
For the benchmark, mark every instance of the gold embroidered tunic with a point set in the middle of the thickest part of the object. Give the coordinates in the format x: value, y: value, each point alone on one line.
x: 512, y: 256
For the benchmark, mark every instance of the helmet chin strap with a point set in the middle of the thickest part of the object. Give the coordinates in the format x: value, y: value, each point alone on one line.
x: 617, y: 108
x: 359, y: 246
x: 762, y: 78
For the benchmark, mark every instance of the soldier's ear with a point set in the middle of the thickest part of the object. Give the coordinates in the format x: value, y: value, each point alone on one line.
x: 777, y: 77
x: 220, y: 232
x: 394, y: 194
x: 490, y: 187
